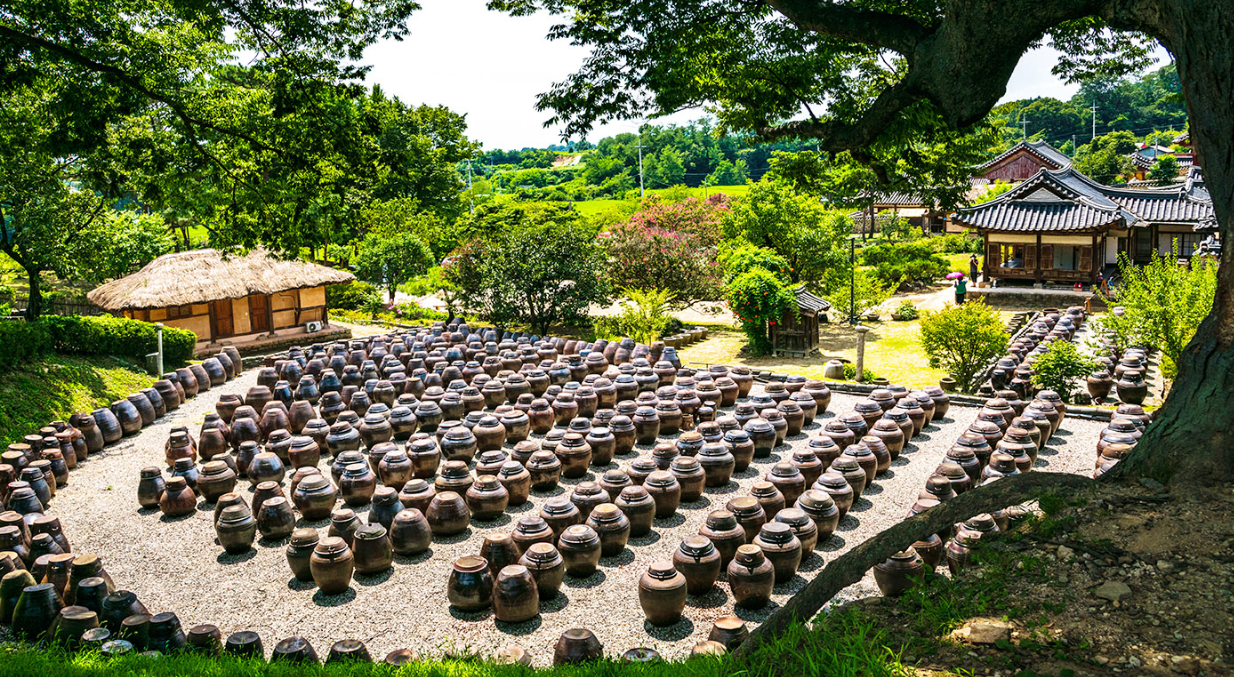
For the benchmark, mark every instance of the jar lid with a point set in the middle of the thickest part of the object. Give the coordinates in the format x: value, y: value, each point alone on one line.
x: 721, y: 520
x: 749, y: 555
x: 660, y: 478
x: 833, y: 479
x: 530, y: 524
x: 662, y: 570
x: 744, y: 505
x: 778, y: 533
x: 331, y: 545
x: 299, y: 537
x: 371, y: 532
x: 559, y: 505
x: 697, y: 546
x: 606, y: 512
x: 580, y: 534
x: 783, y: 469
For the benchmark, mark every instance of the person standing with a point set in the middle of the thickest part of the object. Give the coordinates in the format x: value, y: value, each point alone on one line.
x: 961, y: 287
x: 972, y: 267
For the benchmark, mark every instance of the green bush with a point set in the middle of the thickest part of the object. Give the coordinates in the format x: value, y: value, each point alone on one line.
x: 905, y: 262
x: 107, y: 335
x: 955, y: 244
x: 905, y: 311
x: 850, y: 373
x: 351, y: 296
x: 21, y: 342
x: 758, y: 298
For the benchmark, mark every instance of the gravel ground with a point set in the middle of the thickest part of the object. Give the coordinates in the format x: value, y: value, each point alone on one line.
x: 175, y: 565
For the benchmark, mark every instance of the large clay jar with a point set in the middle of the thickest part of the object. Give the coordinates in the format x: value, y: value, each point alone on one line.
x: 516, y: 480
x: 700, y: 562
x: 373, y: 552
x: 851, y: 470
x: 789, y: 480
x: 36, y: 609
x: 769, y: 498
x: 532, y: 529
x: 580, y: 547
x: 821, y: 508
x: 639, y: 508
x: 417, y: 493
x: 763, y: 435
x: 613, y: 527
x: 129, y: 418
x: 722, y: 529
x: 275, y: 518
x: 802, y: 527
x: 150, y: 487
x: 665, y: 490
x: 487, y: 498
x: 177, y: 499
x: 470, y: 586
x: 216, y: 478
x: 662, y: 593
x: 749, y: 515
x: 385, y: 506
x: 357, y: 484
x: 425, y: 455
x: 332, y: 565
x: 546, y: 566
x: 577, y: 645
x: 646, y: 425
x: 1131, y: 387
x: 516, y: 597
x: 782, y: 548
x: 751, y: 577
x: 575, y: 455
x: 236, y: 529
x: 459, y: 444
x: 899, y: 573
x: 300, y: 551
x: 447, y: 514
x: 266, y: 467
x: 625, y: 435
x: 545, y: 470
x: 410, y: 533
x: 314, y: 497
x: 690, y: 477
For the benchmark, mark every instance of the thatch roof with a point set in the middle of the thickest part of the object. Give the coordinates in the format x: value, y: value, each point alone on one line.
x: 205, y: 275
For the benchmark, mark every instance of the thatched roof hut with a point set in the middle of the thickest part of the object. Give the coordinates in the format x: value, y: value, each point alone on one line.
x: 220, y: 295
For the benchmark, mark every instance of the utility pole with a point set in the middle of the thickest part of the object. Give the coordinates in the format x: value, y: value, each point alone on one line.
x: 471, y: 199
x: 1073, y: 146
x: 641, y: 192
x: 1024, y: 129
x: 1094, y: 118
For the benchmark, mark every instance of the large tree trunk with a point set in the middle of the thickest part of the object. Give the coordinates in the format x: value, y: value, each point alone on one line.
x: 34, y: 307
x: 1192, y: 439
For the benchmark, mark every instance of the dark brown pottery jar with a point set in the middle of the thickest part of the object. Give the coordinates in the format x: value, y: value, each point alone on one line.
x: 373, y: 552
x: 275, y: 518
x: 300, y: 551
x: 769, y: 497
x: 545, y: 470
x: 447, y: 514
x: 177, y: 499
x: 665, y: 491
x: 722, y: 529
x: 639, y: 508
x: 547, y: 568
x: 782, y: 548
x: 700, y: 562
x: 486, y: 498
x: 690, y: 476
x: 749, y: 514
x: 532, y: 529
x: 899, y: 573
x: 516, y: 597
x: 580, y: 547
x: 820, y: 507
x: 332, y: 565
x: 410, y: 533
x: 613, y: 527
x: 470, y: 586
x: 802, y: 527
x: 662, y: 593
x: 236, y: 529
x: 751, y: 577
x: 576, y: 646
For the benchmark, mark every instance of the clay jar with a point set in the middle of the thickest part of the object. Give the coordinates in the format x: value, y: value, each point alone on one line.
x: 717, y: 463
x: 410, y: 533
x: 740, y: 445
x: 662, y: 593
x: 470, y: 586
x: 275, y: 518
x: 769, y: 498
x: 580, y: 547
x: 665, y: 491
x: 612, y: 526
x: 516, y: 480
x: 545, y: 470
x: 516, y: 597
x: 574, y: 454
x: 373, y: 553
x: 699, y: 561
x: 150, y: 487
x: 314, y: 497
x: 897, y: 574
x: 722, y: 529
x: 546, y: 566
x: 690, y: 476
x: 447, y: 514
x: 625, y: 434
x: 459, y: 444
x: 332, y: 565
x: 236, y: 529
x: 751, y: 577
x: 749, y: 515
x: 639, y: 508
x: 216, y: 478
x: 425, y: 455
x: 486, y: 498
x: 532, y: 529
x: 577, y: 645
x: 177, y: 499
x: 819, y: 506
x: 357, y: 483
x: 603, y: 445
x: 851, y: 470
x: 300, y: 551
x: 789, y: 480
x: 782, y: 548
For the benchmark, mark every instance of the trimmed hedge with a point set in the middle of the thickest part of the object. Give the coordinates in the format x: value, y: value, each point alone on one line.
x: 107, y: 335
x: 22, y: 342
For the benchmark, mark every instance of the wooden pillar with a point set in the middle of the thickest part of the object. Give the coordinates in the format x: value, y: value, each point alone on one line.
x: 1037, y: 262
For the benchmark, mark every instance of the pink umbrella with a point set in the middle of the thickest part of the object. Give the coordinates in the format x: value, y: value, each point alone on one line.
x: 954, y: 276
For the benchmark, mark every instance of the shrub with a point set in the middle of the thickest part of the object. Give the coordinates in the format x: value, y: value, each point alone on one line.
x: 741, y: 256
x: 850, y: 373
x: 758, y: 298
x: 1061, y: 367
x: 905, y: 311
x: 410, y: 311
x: 21, y: 342
x: 652, y: 257
x: 955, y: 244
x: 350, y: 296
x: 905, y: 262
x: 858, y: 296
x: 645, y: 313
x: 963, y: 340
x: 121, y: 337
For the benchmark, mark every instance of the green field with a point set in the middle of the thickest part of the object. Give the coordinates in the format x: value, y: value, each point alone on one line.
x: 593, y: 207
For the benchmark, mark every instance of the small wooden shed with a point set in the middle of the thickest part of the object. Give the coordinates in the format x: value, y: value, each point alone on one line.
x: 230, y: 297
x: 796, y: 334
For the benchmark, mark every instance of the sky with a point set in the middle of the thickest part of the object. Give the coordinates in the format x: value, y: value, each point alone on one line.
x: 490, y: 66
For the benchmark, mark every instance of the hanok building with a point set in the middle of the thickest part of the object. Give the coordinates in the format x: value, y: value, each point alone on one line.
x: 235, y: 299
x: 796, y: 334
x: 1061, y: 226
x: 1022, y: 162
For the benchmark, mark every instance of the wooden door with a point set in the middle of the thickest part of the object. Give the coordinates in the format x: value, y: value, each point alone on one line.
x: 259, y: 313
x: 224, y: 325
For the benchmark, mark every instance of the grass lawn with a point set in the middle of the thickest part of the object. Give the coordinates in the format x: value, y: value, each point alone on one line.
x: 593, y: 207
x: 58, y: 385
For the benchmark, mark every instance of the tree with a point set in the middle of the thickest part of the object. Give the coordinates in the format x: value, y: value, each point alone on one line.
x: 1105, y: 158
x: 897, y: 263
x: 118, y: 243
x: 1163, y: 303
x: 858, y: 77
x: 794, y: 225
x: 728, y: 174
x: 1061, y: 367
x: 645, y: 314
x: 535, y: 273
x: 1164, y: 171
x: 671, y: 171
x: 859, y: 295
x: 759, y: 299
x: 389, y: 259
x: 963, y: 340
x: 648, y: 257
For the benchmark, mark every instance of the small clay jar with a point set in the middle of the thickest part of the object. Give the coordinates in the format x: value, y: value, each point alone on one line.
x: 540, y: 416
x: 700, y: 562
x: 300, y: 551
x: 892, y: 437
x: 821, y: 508
x: 576, y: 646
x: 588, y: 495
x: 722, y: 529
x: 749, y: 515
x: 177, y: 500
x: 639, y: 508
x: 275, y: 518
x: 580, y: 547
x: 848, y: 467
x: 486, y: 498
x: 574, y: 454
x: 751, y: 577
x: 782, y: 548
x: 459, y: 444
x: 613, y: 527
x: 662, y: 593
x: 532, y: 529
x: 373, y: 552
x: 690, y: 476
x: 470, y: 586
x: 150, y: 487
x: 546, y: 566
x: 665, y: 490
x: 613, y: 481
x: 899, y: 573
x: 357, y: 483
x: 516, y: 597
x: 447, y: 514
x: 332, y: 564
x: 729, y: 632
x: 769, y: 497
x: 517, y: 482
x: 236, y: 528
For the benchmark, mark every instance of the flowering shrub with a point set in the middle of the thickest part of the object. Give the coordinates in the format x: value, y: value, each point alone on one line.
x: 759, y: 299
x: 650, y: 257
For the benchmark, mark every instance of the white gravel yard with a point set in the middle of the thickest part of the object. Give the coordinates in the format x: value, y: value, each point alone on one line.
x: 175, y: 565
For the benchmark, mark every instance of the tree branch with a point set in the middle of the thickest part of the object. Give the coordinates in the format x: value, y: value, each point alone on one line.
x: 891, y: 31
x: 850, y: 567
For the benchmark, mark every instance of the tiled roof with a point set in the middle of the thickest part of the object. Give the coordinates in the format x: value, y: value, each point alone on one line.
x: 1040, y: 149
x: 810, y: 302
x: 1066, y: 200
